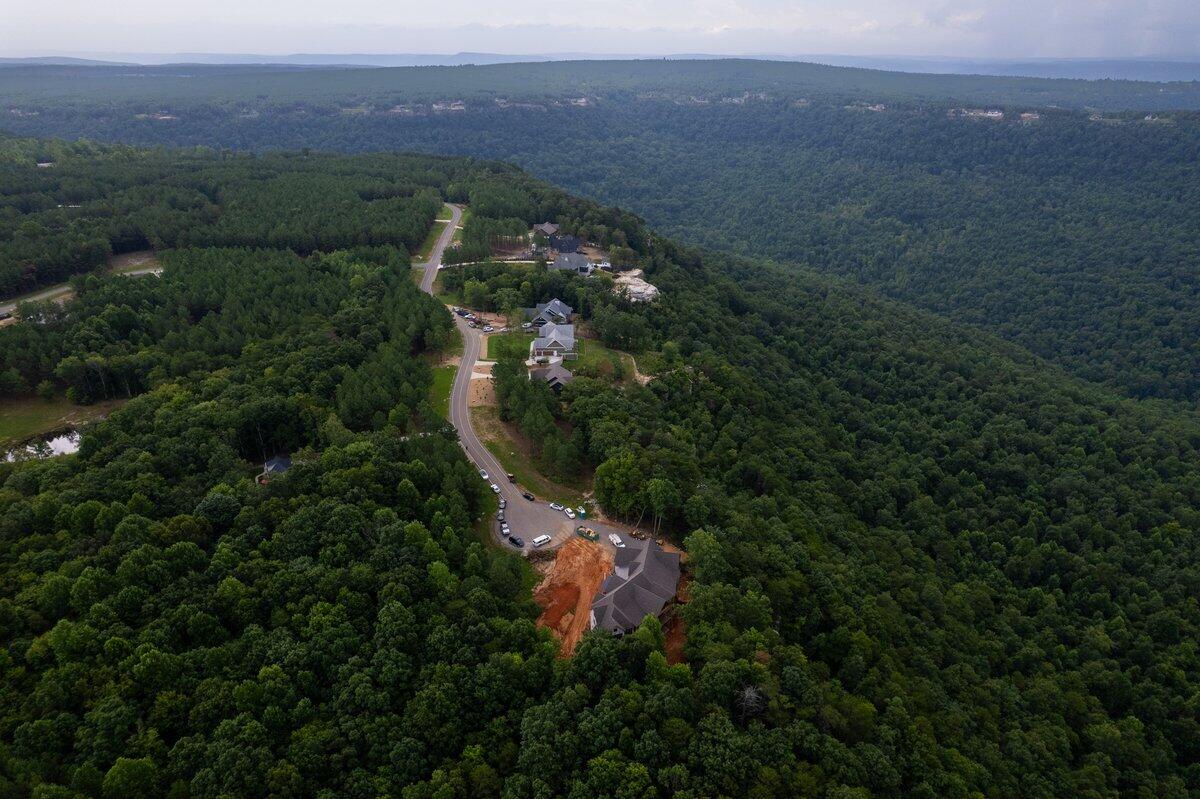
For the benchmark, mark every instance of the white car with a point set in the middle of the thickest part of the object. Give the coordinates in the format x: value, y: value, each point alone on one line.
x: 488, y: 328
x: 495, y: 488
x: 526, y: 325
x: 616, y: 540
x: 483, y: 474
x: 579, y: 511
x: 504, y: 528
x: 541, y: 540
x: 556, y: 506
x: 570, y: 513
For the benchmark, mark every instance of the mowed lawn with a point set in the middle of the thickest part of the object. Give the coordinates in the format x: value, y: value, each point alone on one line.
x: 430, y: 240
x: 498, y: 345
x: 443, y: 382
x: 25, y: 418
x: 595, y: 359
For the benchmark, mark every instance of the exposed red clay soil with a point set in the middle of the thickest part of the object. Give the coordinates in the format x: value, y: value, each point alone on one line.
x: 566, y: 593
x: 675, y: 628
x: 675, y: 634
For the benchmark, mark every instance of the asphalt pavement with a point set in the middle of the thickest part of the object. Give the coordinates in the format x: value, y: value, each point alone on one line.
x: 526, y: 519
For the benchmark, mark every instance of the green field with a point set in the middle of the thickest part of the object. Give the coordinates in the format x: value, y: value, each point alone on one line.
x: 430, y: 240
x: 25, y: 418
x: 500, y: 344
x: 445, y: 214
x: 443, y: 382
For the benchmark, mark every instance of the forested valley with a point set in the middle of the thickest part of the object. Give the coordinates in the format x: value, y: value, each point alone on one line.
x: 924, y: 561
x: 1070, y: 232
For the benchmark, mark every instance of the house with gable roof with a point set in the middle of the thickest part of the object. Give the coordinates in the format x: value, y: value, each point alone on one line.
x: 643, y: 582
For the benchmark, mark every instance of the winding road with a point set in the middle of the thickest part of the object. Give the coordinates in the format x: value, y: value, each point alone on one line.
x: 527, y: 519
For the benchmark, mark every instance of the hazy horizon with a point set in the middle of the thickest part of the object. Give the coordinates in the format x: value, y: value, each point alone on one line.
x: 1058, y: 29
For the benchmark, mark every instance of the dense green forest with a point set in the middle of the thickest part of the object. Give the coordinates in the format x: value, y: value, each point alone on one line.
x: 925, y: 562
x: 66, y: 207
x: 1072, y: 236
x: 682, y: 78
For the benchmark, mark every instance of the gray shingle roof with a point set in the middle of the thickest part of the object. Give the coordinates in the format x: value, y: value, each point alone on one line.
x: 571, y: 262
x: 549, y: 311
x: 554, y: 374
x: 642, y: 582
x: 550, y: 334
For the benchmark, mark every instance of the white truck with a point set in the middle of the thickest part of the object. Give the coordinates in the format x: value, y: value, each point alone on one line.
x: 616, y: 540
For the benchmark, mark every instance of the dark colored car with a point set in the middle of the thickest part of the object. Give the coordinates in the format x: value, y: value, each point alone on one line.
x: 516, y: 541
x: 528, y: 496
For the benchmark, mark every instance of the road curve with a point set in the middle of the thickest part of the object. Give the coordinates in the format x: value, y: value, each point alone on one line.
x: 527, y: 519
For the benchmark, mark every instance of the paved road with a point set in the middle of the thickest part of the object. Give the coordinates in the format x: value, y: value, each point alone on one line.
x: 527, y: 519
x: 63, y: 289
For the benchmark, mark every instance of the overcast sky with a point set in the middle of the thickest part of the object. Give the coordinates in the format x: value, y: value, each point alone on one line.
x: 978, y: 28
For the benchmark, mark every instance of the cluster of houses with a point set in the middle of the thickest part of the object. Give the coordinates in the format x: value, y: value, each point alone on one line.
x: 554, y: 343
x: 568, y: 258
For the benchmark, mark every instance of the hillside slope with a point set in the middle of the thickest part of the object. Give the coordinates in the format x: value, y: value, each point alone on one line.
x: 926, y: 563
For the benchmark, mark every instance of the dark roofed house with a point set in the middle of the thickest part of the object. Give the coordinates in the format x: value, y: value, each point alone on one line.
x: 565, y: 243
x: 643, y: 581
x: 548, y: 228
x: 276, y: 465
x: 554, y: 312
x: 573, y: 262
x: 554, y: 374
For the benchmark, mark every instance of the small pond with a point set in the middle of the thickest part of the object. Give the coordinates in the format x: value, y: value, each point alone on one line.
x: 60, y: 442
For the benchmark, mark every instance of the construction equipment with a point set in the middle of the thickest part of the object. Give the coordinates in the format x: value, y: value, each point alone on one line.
x: 587, y: 532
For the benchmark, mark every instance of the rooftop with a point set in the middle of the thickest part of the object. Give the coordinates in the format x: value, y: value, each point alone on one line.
x: 643, y: 581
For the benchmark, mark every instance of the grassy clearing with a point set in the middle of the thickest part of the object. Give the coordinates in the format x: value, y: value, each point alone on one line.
x: 25, y: 418
x: 515, y: 454
x: 498, y: 345
x: 466, y: 214
x: 133, y: 261
x: 444, y: 214
x: 443, y: 382
x: 430, y: 240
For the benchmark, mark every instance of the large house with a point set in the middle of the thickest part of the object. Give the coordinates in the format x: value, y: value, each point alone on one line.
x: 565, y: 243
x: 573, y: 262
x: 554, y: 374
x: 553, y: 341
x: 643, y: 581
x: 546, y: 228
x: 554, y: 312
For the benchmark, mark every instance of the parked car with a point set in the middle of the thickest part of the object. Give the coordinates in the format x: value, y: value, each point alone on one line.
x: 582, y: 513
x: 556, y: 506
x: 570, y: 513
x: 495, y: 488
x: 488, y: 328
x: 541, y: 540
x: 483, y: 473
x: 511, y: 478
x: 503, y: 503
x: 516, y: 541
x: 528, y: 496
x: 616, y: 540
x: 500, y: 515
x: 526, y: 325
x: 504, y: 528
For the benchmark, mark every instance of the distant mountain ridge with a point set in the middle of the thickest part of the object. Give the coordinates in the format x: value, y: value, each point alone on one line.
x: 1140, y: 69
